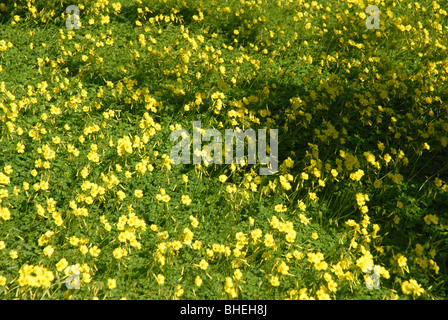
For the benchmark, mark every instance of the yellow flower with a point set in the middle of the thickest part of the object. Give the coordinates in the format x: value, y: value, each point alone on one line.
x: 20, y: 147
x: 290, y: 236
x: 198, y: 281
x: 256, y: 234
x: 203, y: 264
x: 5, y: 213
x: 402, y: 261
x: 166, y: 198
x: 179, y: 291
x: 194, y: 222
x: 186, y: 200
x: 231, y: 189
x: 124, y: 145
x: 377, y: 183
x: 44, y: 185
x: 138, y: 193
x: 188, y: 236
x: 297, y: 254
x: 396, y: 177
x: 95, y: 251
x: 269, y: 240
x: 406, y: 287
x: 117, y: 7
x: 361, y: 199
x: 412, y: 287
x: 334, y: 173
x: 274, y: 281
x: 118, y: 253
x: 13, y: 254
x: 62, y: 264
x: 419, y: 249
x: 285, y: 183
x: 357, y: 175
x: 48, y: 251
x: 2, y: 281
x: 275, y: 223
x: 160, y: 279
x: 238, y: 274
x: 111, y: 283
x: 322, y: 293
x: 251, y: 221
x: 283, y: 268
x: 196, y: 245
x: 280, y: 208
x: 84, y: 249
x: 121, y: 195
x: 314, y: 235
x: 431, y: 218
x: 302, y: 205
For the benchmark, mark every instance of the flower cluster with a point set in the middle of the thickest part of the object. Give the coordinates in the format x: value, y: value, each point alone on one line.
x: 89, y: 192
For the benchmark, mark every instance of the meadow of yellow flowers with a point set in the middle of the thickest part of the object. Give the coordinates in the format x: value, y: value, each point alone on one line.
x: 93, y: 207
